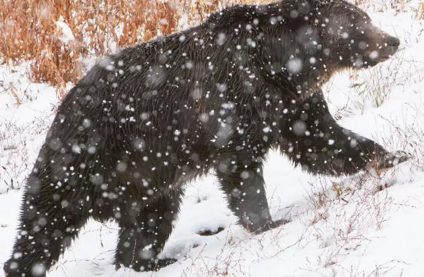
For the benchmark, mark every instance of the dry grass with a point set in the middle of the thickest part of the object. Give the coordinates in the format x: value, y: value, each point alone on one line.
x: 29, y: 30
x: 420, y: 12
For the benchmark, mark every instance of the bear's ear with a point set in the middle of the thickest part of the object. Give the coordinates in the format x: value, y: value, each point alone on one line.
x: 319, y: 10
x: 318, y: 5
x: 322, y: 2
x: 304, y: 10
x: 295, y: 10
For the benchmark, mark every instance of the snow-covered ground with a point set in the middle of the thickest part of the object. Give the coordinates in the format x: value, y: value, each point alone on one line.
x: 339, y: 226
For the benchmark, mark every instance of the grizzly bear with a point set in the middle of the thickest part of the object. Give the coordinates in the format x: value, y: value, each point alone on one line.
x: 217, y: 96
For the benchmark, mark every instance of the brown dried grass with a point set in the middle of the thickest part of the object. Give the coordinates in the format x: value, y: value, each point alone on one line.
x: 28, y: 30
x: 420, y: 13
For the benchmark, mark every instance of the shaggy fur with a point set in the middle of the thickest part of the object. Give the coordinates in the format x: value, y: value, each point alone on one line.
x: 218, y: 96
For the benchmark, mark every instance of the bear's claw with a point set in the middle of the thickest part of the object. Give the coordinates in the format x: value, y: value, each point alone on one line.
x: 392, y: 159
x: 270, y: 225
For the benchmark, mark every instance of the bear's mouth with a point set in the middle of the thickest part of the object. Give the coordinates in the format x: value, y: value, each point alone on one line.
x: 375, y: 57
x: 384, y: 58
x: 374, y: 62
x: 383, y: 54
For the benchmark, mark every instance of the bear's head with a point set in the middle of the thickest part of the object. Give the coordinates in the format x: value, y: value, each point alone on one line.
x: 302, y: 42
x: 349, y: 36
x: 309, y: 40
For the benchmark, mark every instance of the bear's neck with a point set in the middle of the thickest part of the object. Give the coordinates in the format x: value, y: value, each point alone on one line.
x: 299, y: 64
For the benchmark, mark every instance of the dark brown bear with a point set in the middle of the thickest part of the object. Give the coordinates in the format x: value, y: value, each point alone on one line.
x: 218, y: 96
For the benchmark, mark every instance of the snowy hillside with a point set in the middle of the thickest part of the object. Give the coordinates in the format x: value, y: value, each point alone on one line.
x: 371, y: 224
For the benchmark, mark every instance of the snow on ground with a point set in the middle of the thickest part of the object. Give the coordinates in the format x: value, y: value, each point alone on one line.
x: 340, y: 226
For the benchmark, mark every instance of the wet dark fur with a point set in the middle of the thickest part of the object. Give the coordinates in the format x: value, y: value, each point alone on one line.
x: 218, y: 96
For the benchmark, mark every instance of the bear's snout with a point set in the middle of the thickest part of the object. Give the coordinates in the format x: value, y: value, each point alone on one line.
x: 389, y: 47
x: 392, y: 41
x: 382, y: 48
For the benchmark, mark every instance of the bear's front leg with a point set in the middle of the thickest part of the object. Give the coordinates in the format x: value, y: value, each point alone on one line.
x: 241, y: 177
x: 311, y: 137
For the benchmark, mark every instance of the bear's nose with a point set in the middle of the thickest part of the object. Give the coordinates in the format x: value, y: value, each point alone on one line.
x: 392, y: 41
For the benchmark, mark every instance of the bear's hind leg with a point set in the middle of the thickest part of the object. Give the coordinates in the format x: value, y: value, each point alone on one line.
x: 47, y: 227
x: 243, y: 183
x: 142, y: 238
